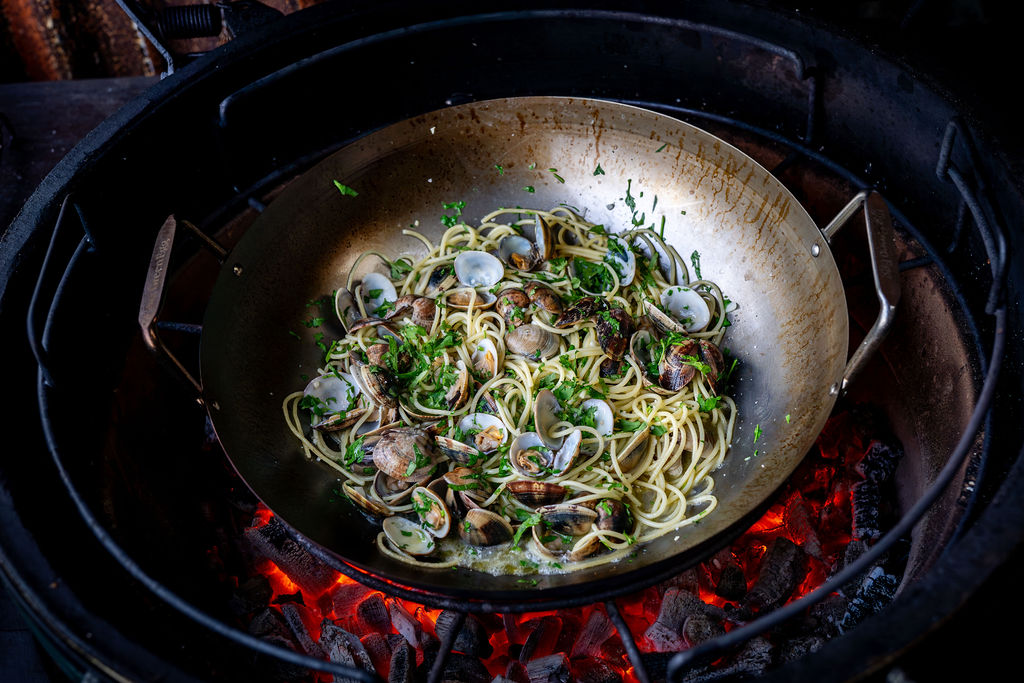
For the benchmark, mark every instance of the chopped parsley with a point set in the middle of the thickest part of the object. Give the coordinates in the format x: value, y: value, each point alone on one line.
x: 757, y: 432
x: 529, y: 188
x: 500, y: 169
x: 706, y: 405
x: 554, y: 172
x: 599, y: 170
x: 695, y: 260
x: 661, y: 148
x: 345, y: 190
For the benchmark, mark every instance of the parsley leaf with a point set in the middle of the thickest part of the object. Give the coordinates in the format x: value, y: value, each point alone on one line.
x: 345, y: 189
x: 599, y: 170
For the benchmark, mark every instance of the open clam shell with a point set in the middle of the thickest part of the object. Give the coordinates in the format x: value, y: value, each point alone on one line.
x: 529, y: 456
x: 519, y: 252
x: 487, y: 358
x: 544, y: 298
x: 442, y: 278
x: 535, y: 493
x: 335, y: 393
x: 408, y: 536
x: 633, y: 452
x: 457, y: 451
x: 478, y: 269
x: 464, y: 297
x: 614, y: 329
x: 514, y: 306
x: 487, y: 432
x: 545, y: 416
x: 604, y: 417
x: 622, y: 260
x: 367, y: 503
x: 345, y: 308
x: 376, y: 290
x: 544, y: 238
x: 432, y: 511
x: 687, y: 307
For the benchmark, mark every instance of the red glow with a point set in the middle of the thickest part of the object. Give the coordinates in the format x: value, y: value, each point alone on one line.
x: 814, y: 512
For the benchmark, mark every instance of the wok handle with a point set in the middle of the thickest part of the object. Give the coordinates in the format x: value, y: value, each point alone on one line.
x: 152, y: 301
x: 884, y: 269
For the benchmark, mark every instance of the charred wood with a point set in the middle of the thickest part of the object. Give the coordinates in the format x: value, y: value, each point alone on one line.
x: 472, y: 638
x: 699, y: 628
x: 550, y: 669
x: 379, y: 650
x: 867, y: 511
x: 344, y: 647
x: 373, y: 613
x: 273, y: 542
x: 402, y: 668
x: 598, y: 629
x: 300, y: 620
x: 876, y: 591
x: 594, y: 670
x: 879, y: 462
x: 782, y: 570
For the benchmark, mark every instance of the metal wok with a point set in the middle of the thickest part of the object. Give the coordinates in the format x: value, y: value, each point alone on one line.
x: 790, y: 331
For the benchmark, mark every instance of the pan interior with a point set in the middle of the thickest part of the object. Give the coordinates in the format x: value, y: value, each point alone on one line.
x: 789, y: 331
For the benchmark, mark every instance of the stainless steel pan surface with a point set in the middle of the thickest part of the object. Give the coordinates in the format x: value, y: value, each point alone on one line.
x: 789, y: 332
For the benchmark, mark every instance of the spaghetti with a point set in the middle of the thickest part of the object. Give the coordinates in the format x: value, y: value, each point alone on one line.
x: 562, y: 397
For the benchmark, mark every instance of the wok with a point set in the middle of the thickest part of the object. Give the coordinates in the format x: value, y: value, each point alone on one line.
x: 790, y: 332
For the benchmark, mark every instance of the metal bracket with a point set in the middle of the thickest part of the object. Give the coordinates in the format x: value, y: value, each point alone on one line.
x: 884, y: 269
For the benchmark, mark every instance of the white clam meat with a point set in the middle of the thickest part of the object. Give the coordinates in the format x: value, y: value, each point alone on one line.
x: 687, y: 306
x: 478, y: 269
x: 408, y: 536
x: 484, y: 431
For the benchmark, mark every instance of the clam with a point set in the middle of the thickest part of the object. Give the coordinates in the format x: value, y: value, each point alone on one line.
x: 519, y: 252
x: 687, y: 307
x: 712, y: 355
x: 379, y: 385
x: 419, y: 309
x: 580, y: 311
x: 529, y: 456
x: 566, y: 456
x: 536, y: 493
x: 543, y: 297
x: 532, y: 342
x: 611, y: 368
x: 376, y: 290
x: 567, y: 519
x: 462, y: 479
x: 458, y: 393
x: 442, y: 278
x: 334, y: 393
x: 513, y: 305
x: 544, y: 238
x: 345, y: 308
x: 483, y: 527
x: 335, y: 422
x: 478, y: 269
x: 486, y: 358
x: 432, y: 511
x: 677, y: 367
x: 612, y: 515
x: 622, y: 260
x: 406, y: 453
x: 640, y: 349
x: 408, y: 536
x: 633, y: 452
x: 465, y: 297
x: 488, y: 431
x: 584, y: 548
x: 604, y: 418
x: 545, y: 415
x: 356, y: 495
x: 614, y: 329
x: 458, y: 451
x: 389, y: 490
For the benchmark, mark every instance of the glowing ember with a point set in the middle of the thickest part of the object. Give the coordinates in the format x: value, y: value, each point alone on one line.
x: 798, y: 542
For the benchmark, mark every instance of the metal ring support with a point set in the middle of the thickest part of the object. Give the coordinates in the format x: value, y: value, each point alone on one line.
x: 884, y: 269
x: 153, y: 296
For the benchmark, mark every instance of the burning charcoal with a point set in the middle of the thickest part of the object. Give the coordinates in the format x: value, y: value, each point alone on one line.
x: 402, y: 668
x: 597, y: 630
x: 516, y: 671
x: 512, y: 630
x: 879, y: 463
x: 472, y: 638
x: 876, y: 591
x: 288, y: 597
x: 688, y: 581
x: 345, y: 599
x: 798, y: 520
x: 656, y: 665
x: 299, y: 619
x: 542, y: 638
x: 550, y: 669
x: 699, y: 627
x: 799, y: 647
x: 867, y: 501
x: 781, y: 571
x: 829, y: 614
x: 664, y: 634
x: 377, y: 646
x: 281, y: 670
x: 731, y: 584
x: 406, y: 624
x: 269, y: 622
x: 836, y: 519
x: 252, y: 594
x: 344, y: 647
x: 752, y: 661
x: 273, y: 542
x: 594, y: 670
x: 464, y: 669
x: 373, y: 613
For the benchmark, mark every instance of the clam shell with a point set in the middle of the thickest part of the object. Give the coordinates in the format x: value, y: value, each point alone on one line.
x: 442, y: 278
x: 487, y: 358
x: 687, y: 306
x: 487, y: 431
x: 376, y: 282
x: 461, y: 299
x: 614, y: 329
x: 569, y: 519
x: 529, y: 456
x: 356, y: 495
x: 432, y: 511
x: 531, y: 342
x: 578, y: 312
x: 545, y: 415
x: 604, y: 418
x: 396, y: 453
x: 519, y: 252
x: 622, y: 261
x: 408, y: 536
x: 484, y: 528
x: 337, y: 392
x: 543, y: 297
x: 513, y: 305
x: 345, y: 308
x: 632, y: 453
x: 544, y: 238
x: 536, y: 493
x: 478, y: 269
